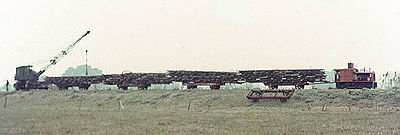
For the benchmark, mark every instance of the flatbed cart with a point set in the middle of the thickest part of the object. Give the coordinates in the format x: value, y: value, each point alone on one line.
x: 282, y: 95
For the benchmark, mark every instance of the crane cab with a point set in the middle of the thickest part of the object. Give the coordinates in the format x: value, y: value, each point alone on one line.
x: 25, y: 73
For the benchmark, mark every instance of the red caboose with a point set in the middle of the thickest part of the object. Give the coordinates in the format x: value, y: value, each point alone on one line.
x: 351, y: 78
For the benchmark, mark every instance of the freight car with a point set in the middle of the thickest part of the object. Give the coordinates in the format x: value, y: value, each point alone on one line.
x: 192, y: 79
x: 27, y: 78
x: 351, y: 78
x: 274, y: 78
x: 213, y: 79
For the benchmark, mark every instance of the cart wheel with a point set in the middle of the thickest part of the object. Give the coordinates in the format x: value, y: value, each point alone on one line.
x: 256, y: 100
x: 285, y: 93
x: 283, y: 100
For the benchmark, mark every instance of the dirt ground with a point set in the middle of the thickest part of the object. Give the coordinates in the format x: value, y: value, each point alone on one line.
x: 210, y: 112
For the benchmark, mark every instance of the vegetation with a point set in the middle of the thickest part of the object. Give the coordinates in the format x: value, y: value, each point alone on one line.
x: 81, y: 70
x: 177, y: 95
x: 211, y: 112
x: 308, y: 95
x: 132, y: 101
x: 110, y: 97
x: 119, y: 97
x: 45, y: 95
x: 162, y: 96
x: 74, y: 95
x: 149, y: 102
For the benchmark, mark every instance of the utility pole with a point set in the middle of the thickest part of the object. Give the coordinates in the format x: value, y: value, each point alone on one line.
x: 86, y: 63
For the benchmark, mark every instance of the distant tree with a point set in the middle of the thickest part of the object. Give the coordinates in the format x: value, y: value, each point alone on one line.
x: 330, y: 75
x: 81, y: 70
x: 42, y: 77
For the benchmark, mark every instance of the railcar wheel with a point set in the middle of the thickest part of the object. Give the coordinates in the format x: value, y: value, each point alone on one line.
x: 274, y: 87
x: 215, y: 87
x: 286, y: 93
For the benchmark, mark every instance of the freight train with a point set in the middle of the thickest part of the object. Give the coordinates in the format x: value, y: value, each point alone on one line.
x: 349, y: 78
x: 191, y: 79
x: 345, y: 78
x: 28, y: 79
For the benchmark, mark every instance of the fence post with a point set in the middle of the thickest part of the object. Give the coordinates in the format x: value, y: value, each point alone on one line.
x: 80, y: 104
x: 121, y: 105
x: 189, y: 104
x: 5, y: 103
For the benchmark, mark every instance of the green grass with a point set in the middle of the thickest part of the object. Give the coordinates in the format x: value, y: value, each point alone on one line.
x: 164, y: 95
x: 211, y: 112
x: 304, y: 95
x: 148, y: 102
x: 45, y: 95
x: 177, y: 95
x: 74, y: 95
x: 110, y: 97
x: 132, y: 101
x: 397, y: 97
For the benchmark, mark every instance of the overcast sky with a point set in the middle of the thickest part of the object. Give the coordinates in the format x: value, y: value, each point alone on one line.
x: 228, y: 35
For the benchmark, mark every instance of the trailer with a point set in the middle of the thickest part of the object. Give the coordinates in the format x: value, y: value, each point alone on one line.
x: 282, y: 95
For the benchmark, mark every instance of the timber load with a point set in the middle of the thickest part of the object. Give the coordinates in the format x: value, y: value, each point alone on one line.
x: 213, y: 79
x: 123, y: 81
x: 192, y: 79
x: 274, y: 78
x: 140, y: 80
x: 83, y: 82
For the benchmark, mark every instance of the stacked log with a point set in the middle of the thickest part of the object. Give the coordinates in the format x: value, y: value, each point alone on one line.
x: 204, y: 76
x: 213, y: 79
x: 273, y: 78
x: 141, y: 80
x: 79, y: 81
x: 192, y: 79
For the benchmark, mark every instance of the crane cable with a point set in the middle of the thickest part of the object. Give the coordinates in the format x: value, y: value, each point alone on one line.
x: 40, y: 62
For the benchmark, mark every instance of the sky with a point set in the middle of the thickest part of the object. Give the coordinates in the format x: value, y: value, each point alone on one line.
x: 224, y: 35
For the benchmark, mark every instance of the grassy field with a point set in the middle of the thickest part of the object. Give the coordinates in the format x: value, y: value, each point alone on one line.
x: 211, y: 112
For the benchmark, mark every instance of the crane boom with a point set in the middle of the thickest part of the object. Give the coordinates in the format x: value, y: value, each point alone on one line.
x: 60, y: 55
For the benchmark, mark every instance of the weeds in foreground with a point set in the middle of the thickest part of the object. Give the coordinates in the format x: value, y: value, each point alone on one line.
x: 74, y: 95
x: 397, y: 97
x: 149, y: 102
x: 162, y: 96
x: 309, y: 95
x: 132, y: 101
x: 110, y: 97
x: 177, y: 95
x: 119, y: 97
x: 45, y: 95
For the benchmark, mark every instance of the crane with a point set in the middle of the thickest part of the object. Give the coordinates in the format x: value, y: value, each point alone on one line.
x: 28, y: 79
x: 60, y: 55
